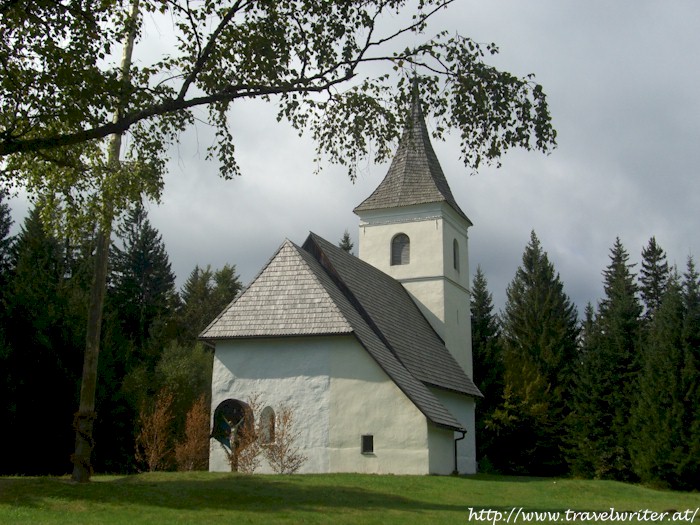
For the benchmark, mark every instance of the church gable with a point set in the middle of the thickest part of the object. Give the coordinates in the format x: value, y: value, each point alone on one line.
x: 394, y: 316
x: 286, y: 298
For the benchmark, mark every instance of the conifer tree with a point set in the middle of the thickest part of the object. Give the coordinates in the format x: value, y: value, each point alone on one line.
x: 41, y: 355
x: 488, y: 363
x: 689, y: 468
x: 666, y: 449
x: 345, y: 243
x: 653, y: 277
x: 657, y: 415
x: 540, y: 330
x: 142, y: 284
x: 607, y: 379
x: 588, y: 328
x: 226, y: 287
x: 204, y: 295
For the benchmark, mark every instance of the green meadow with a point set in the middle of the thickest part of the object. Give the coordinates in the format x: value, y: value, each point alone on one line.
x: 220, y: 498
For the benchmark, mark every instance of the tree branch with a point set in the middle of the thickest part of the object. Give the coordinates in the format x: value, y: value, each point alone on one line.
x: 122, y: 124
x: 204, y: 56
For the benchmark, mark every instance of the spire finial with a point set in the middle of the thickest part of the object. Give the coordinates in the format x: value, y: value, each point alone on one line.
x: 415, y: 97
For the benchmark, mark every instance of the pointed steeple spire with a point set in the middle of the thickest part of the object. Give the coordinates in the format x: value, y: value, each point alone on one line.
x: 415, y: 175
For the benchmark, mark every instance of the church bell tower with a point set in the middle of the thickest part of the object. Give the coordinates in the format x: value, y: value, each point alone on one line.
x: 412, y: 228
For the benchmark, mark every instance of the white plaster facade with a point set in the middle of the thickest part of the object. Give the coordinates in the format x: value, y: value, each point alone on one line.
x: 438, y: 280
x: 337, y: 393
x: 385, y: 371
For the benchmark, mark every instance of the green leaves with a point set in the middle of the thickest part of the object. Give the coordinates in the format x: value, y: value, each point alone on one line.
x: 316, y: 60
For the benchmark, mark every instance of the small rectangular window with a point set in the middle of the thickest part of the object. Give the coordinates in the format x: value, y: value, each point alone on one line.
x: 368, y: 444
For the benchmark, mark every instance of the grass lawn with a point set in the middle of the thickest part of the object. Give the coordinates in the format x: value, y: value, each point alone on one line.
x: 213, y: 498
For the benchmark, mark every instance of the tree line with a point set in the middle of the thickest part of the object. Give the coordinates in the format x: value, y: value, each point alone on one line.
x: 149, y: 341
x: 64, y: 110
x: 613, y: 396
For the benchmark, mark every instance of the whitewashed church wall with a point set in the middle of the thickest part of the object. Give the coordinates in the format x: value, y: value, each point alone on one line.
x: 289, y: 371
x: 337, y: 392
x: 422, y: 224
x: 458, y: 333
x: 442, y: 450
x: 365, y: 401
x: 463, y: 408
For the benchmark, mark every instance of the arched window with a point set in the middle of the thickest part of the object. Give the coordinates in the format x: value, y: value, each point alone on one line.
x: 232, y: 418
x: 400, y: 249
x: 455, y: 254
x: 267, y: 425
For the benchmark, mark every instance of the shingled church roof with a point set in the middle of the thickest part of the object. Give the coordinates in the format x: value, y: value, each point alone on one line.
x: 415, y: 175
x: 320, y: 289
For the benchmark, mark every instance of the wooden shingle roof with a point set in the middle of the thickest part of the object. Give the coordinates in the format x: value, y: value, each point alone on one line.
x: 395, y: 316
x: 285, y: 298
x: 321, y: 289
x: 415, y: 175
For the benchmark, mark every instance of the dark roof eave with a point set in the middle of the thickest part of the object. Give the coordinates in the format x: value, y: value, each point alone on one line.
x: 361, y: 209
x: 454, y: 391
x: 214, y: 339
x: 448, y: 427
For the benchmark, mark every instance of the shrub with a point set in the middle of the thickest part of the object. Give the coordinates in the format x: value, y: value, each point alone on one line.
x: 282, y: 454
x: 154, y: 440
x: 193, y: 452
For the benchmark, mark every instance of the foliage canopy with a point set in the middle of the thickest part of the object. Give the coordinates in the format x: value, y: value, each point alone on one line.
x: 61, y: 92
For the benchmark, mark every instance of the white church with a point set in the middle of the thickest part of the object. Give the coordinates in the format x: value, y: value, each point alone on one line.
x: 372, y: 353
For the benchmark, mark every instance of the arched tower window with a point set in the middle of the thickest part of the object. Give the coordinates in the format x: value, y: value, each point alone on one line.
x: 400, y: 249
x: 267, y: 425
x: 455, y: 254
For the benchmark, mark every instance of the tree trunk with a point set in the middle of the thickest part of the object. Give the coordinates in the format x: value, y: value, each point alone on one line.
x: 85, y: 416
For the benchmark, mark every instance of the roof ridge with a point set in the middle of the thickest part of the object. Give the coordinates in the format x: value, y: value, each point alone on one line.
x: 245, y: 288
x: 285, y: 298
x: 350, y: 296
x: 389, y: 306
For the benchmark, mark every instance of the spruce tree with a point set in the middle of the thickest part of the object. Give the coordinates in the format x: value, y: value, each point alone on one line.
x: 41, y: 355
x: 142, y: 284
x: 204, y: 295
x: 488, y: 364
x: 653, y: 277
x: 587, y: 333
x: 540, y: 330
x: 666, y: 448
x: 606, y: 383
x: 657, y: 415
x: 688, y: 471
x: 345, y: 243
x: 226, y: 287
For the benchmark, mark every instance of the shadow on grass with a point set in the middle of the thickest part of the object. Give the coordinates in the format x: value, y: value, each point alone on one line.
x: 508, y: 478
x: 257, y: 494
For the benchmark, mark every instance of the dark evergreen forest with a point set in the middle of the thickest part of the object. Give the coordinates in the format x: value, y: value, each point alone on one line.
x: 149, y: 342
x: 610, y: 394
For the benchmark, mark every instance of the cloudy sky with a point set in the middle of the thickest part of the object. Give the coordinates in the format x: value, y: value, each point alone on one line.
x: 623, y: 80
